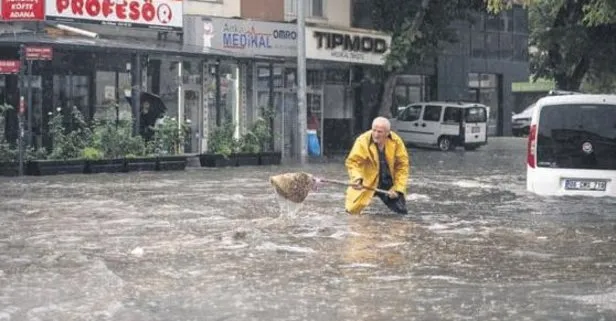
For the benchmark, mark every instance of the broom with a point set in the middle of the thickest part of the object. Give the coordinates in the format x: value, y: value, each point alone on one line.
x: 296, y: 186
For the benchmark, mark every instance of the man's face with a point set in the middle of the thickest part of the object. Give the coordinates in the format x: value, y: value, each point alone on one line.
x: 379, y: 133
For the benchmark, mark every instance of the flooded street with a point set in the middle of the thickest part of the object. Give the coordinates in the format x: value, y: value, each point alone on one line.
x: 217, y: 244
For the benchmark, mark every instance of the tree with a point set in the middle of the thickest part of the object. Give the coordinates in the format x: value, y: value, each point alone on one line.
x: 418, y: 29
x: 572, y: 40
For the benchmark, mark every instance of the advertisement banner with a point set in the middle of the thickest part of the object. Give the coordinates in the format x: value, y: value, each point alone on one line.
x: 347, y: 46
x: 242, y: 36
x: 9, y: 66
x: 154, y: 14
x: 23, y: 10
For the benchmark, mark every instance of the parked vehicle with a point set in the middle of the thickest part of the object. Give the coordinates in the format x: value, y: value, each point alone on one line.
x: 572, y: 146
x: 520, y: 123
x: 443, y: 124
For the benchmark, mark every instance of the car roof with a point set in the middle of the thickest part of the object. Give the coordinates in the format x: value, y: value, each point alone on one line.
x: 462, y: 104
x: 577, y: 99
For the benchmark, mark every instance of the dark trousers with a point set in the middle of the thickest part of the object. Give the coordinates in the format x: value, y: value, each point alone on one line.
x: 397, y: 205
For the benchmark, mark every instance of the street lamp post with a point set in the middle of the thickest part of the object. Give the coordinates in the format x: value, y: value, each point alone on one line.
x: 301, y: 83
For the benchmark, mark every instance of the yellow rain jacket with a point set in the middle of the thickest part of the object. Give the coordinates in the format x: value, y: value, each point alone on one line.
x: 363, y: 162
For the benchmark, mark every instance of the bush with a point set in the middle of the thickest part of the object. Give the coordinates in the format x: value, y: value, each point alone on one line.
x: 117, y: 141
x: 168, y: 138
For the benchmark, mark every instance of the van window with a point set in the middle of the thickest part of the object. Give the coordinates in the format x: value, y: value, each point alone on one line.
x: 475, y: 115
x: 452, y: 115
x: 432, y: 113
x: 564, y: 129
x: 411, y: 113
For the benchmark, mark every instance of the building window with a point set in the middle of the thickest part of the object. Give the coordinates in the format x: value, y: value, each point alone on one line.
x: 478, y: 44
x: 500, y: 22
x: 314, y: 8
x: 520, y: 19
x: 491, y: 50
x: 505, y: 46
x: 520, y: 47
x: 485, y: 89
x: 410, y: 89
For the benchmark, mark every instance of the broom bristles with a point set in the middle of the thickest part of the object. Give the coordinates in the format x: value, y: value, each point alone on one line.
x: 293, y: 186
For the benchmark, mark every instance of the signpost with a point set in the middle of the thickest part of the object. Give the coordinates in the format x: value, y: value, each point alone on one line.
x: 34, y: 53
x: 301, y: 83
x: 22, y: 110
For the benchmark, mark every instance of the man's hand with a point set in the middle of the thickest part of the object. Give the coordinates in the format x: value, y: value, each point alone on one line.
x: 357, y: 184
x: 392, y: 194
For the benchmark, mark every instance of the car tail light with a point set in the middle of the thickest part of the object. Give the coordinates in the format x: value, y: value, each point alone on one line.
x: 532, y: 146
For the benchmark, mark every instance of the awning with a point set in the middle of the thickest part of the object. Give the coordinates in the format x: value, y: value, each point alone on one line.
x: 119, y: 45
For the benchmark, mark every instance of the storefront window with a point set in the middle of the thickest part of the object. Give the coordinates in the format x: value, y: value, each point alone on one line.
x: 229, y: 94
x: 169, y: 84
x: 72, y: 91
x: 111, y: 87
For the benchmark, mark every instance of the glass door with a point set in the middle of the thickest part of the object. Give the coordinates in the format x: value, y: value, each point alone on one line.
x: 192, y: 99
x: 314, y: 109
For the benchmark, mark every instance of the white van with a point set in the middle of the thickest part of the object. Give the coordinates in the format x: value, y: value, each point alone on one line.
x: 572, y: 146
x: 443, y: 124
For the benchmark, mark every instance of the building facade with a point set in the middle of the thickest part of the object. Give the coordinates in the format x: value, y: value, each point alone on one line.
x: 333, y: 51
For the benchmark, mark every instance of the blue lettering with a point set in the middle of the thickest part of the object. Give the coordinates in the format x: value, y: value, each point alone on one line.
x: 264, y: 42
x: 246, y: 40
x: 243, y: 41
x: 227, y: 39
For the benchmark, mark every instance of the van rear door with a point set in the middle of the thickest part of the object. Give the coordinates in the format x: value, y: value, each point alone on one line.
x: 475, y: 124
x: 577, y: 136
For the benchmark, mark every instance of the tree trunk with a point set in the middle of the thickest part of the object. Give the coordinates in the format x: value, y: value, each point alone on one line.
x: 387, y: 96
x: 390, y: 83
x: 573, y: 81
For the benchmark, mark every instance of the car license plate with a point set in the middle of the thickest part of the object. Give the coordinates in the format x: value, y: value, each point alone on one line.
x: 585, y: 185
x: 475, y: 129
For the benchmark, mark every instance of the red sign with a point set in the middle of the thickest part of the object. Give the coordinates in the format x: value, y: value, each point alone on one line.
x: 39, y: 53
x: 154, y: 14
x: 9, y: 66
x: 14, y: 10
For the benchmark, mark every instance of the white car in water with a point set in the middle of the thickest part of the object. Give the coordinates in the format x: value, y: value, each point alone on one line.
x: 572, y: 146
x: 443, y: 124
x: 520, y: 123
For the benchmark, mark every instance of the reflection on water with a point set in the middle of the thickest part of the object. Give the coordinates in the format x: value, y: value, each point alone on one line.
x: 220, y: 245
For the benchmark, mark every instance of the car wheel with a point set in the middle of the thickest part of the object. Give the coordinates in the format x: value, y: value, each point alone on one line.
x: 444, y: 143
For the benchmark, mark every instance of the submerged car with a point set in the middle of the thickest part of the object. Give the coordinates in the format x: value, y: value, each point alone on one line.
x: 520, y: 123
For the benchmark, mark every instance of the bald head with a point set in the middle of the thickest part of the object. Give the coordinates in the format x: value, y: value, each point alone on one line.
x: 382, y: 122
x: 380, y: 130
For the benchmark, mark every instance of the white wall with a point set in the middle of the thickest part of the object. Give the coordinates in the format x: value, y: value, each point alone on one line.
x: 336, y: 12
x: 220, y: 8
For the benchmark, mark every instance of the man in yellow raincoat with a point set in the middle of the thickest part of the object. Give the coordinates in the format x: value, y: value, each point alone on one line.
x: 378, y: 159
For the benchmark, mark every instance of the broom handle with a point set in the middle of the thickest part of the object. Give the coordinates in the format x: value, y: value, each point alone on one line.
x: 333, y: 181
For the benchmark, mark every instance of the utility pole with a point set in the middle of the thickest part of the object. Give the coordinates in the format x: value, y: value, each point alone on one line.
x: 302, y: 117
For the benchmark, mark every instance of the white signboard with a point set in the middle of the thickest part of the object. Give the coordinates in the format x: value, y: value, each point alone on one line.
x: 154, y: 14
x: 347, y: 46
x: 248, y: 37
